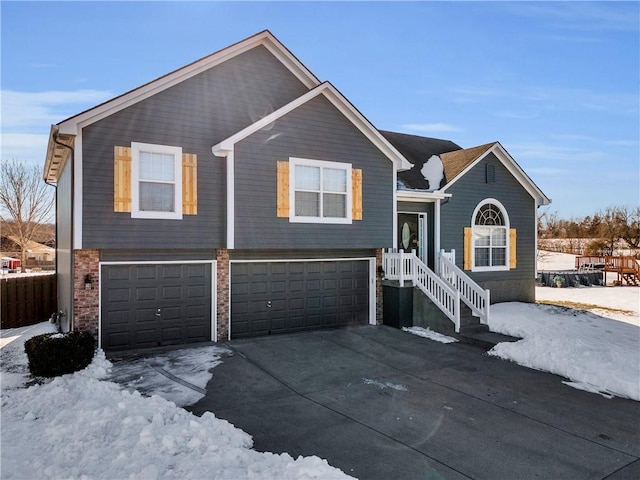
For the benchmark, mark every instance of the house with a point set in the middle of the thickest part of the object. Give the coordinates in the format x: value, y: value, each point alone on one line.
x: 236, y: 196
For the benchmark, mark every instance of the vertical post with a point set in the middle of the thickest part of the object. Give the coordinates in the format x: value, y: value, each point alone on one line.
x: 401, y: 267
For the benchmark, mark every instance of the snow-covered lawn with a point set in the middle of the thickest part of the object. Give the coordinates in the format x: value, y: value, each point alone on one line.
x: 83, y: 426
x: 595, y: 344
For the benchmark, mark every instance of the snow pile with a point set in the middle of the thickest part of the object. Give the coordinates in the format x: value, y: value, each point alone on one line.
x: 430, y: 334
x: 15, y: 371
x: 80, y: 426
x: 595, y: 353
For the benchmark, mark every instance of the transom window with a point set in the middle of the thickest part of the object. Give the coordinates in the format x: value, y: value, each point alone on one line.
x: 320, y: 191
x: 490, y: 237
x: 156, y: 181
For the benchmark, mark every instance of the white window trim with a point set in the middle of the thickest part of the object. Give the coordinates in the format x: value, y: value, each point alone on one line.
x: 499, y: 268
x: 293, y: 162
x: 136, y: 148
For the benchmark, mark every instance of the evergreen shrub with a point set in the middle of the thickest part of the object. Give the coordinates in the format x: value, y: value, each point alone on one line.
x: 54, y: 354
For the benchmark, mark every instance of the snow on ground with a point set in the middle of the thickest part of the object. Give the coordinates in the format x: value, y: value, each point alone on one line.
x: 595, y: 346
x: 430, y: 334
x: 180, y: 376
x: 595, y: 353
x: 82, y: 426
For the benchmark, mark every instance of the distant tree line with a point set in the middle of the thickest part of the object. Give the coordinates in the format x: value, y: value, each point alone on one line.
x: 602, y: 233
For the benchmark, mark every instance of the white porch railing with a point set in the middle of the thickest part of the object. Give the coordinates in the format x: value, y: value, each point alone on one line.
x: 405, y: 267
x: 472, y: 294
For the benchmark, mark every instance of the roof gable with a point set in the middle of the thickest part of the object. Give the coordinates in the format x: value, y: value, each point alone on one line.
x: 264, y: 38
x: 341, y: 103
x: 464, y: 160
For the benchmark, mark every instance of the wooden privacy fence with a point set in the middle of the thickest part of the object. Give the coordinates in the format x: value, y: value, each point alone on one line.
x: 27, y: 300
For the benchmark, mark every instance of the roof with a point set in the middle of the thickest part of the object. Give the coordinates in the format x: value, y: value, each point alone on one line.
x: 418, y: 150
x: 342, y: 104
x: 456, y: 162
x: 66, y: 130
x: 460, y: 162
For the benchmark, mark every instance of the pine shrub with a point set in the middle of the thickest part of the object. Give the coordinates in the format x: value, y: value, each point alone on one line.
x: 54, y: 354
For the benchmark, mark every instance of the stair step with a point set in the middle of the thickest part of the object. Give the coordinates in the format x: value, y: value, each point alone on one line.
x: 486, y: 340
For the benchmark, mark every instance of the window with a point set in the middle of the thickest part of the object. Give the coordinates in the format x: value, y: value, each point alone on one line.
x: 490, y: 237
x: 320, y: 191
x: 156, y: 181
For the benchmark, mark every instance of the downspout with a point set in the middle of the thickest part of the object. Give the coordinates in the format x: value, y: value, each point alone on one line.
x: 71, y: 254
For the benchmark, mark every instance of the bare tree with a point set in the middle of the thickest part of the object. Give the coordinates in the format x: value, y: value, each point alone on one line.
x: 26, y: 202
x: 630, y: 218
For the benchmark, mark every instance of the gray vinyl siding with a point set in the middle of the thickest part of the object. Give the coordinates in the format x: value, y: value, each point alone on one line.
x: 318, y: 131
x: 194, y: 114
x: 64, y: 245
x: 512, y: 285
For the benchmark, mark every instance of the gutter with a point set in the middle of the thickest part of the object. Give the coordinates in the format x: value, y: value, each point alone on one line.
x: 54, y: 137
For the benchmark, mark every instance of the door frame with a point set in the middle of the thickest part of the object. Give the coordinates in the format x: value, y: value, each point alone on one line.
x: 214, y: 281
x: 423, y: 234
x: 372, y: 280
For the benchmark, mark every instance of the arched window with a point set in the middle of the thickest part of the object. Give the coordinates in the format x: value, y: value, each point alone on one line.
x: 490, y: 236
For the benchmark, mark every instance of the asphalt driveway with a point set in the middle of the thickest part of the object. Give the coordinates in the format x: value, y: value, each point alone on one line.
x: 379, y: 403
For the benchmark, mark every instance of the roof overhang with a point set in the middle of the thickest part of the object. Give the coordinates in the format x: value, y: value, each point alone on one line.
x: 510, y: 164
x: 223, y: 148
x: 58, y: 151
x: 421, y: 195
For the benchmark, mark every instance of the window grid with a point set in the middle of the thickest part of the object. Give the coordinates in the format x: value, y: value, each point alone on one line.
x: 490, y: 237
x: 321, y: 191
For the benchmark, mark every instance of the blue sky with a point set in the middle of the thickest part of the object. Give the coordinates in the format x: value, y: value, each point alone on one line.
x: 557, y: 83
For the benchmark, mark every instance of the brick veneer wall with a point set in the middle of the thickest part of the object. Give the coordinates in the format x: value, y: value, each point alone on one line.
x: 379, y: 299
x: 86, y: 302
x: 222, y: 294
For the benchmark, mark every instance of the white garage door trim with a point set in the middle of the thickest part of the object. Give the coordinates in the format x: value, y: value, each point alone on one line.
x: 372, y: 279
x: 214, y: 277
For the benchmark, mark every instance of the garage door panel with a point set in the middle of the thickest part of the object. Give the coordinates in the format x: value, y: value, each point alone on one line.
x: 303, y: 295
x: 149, y: 305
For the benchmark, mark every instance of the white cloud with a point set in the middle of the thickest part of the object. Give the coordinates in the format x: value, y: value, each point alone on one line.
x: 27, y: 118
x: 28, y: 111
x: 548, y: 152
x: 432, y: 127
x: 29, y: 147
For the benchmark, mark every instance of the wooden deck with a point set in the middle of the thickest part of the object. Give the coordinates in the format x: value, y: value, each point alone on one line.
x: 627, y: 268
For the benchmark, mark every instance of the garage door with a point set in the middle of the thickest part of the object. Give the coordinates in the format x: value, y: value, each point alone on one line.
x: 150, y: 305
x: 280, y: 297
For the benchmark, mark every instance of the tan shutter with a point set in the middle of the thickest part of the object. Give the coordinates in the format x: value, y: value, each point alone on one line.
x: 189, y: 184
x: 468, y: 248
x: 356, y: 194
x: 122, y: 179
x: 283, y: 190
x: 512, y: 248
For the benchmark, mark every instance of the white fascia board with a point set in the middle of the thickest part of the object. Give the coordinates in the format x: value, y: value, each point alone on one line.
x: 341, y: 103
x: 419, y: 196
x: 173, y: 78
x: 513, y: 167
x: 228, y: 144
x: 517, y: 171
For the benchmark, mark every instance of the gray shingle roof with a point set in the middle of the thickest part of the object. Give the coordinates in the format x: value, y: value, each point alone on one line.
x: 418, y: 150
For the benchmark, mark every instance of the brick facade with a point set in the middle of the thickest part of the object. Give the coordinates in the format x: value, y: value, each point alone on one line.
x: 379, y: 299
x: 222, y: 294
x: 86, y: 302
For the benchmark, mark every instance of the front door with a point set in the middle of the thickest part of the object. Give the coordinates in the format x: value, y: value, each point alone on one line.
x: 411, y: 235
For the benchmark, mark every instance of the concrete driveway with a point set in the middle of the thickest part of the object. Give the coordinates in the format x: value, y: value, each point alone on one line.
x: 380, y: 403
